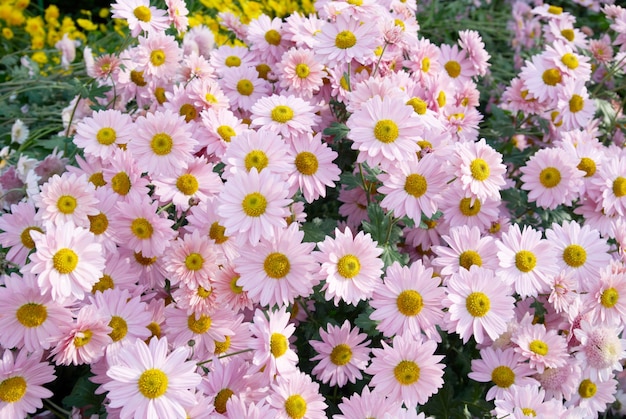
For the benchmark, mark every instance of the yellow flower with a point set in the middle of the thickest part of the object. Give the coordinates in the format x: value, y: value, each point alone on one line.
x: 86, y: 24
x: 34, y: 26
x: 52, y: 37
x: 17, y: 18
x: 5, y: 12
x: 51, y: 13
x: 103, y: 13
x: 7, y: 33
x: 21, y: 4
x: 39, y: 57
x: 37, y: 42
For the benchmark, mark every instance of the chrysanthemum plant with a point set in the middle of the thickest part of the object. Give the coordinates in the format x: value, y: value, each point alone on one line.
x: 372, y: 210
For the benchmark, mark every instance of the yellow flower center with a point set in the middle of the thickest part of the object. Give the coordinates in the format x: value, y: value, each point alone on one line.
x: 302, y: 70
x: 194, y: 261
x: 106, y: 136
x: 187, y: 184
x: 453, y: 68
x: 467, y: 208
x: 12, y: 389
x: 386, y: 131
x: 66, y: 204
x: 32, y: 314
x: 245, y: 87
x: 410, y: 302
x: 570, y: 61
x: 82, y: 338
x: 418, y: 105
x: 415, y: 185
x: 276, y: 265
x: 142, y: 13
x: 144, y: 261
x: 103, y: 284
x: 161, y: 144
x: 254, y: 204
x: 425, y: 64
x: 527, y: 411
x: 210, y: 98
x: 503, y: 376
x: 216, y: 232
x: 574, y: 255
x: 155, y: 331
x: 525, y: 261
x: 539, y: 347
x: 120, y: 328
x: 306, y: 163
x: 550, y: 177
x: 263, y: 70
x: 236, y: 289
x: 588, y: 166
x: 551, y: 77
x: 295, y: 406
x: 477, y: 304
x: 98, y: 224
x: 152, y: 383
x: 26, y: 239
x: 97, y: 179
x: 65, y: 260
x: 188, y: 111
x: 226, y: 132
x: 159, y: 94
x: 587, y: 389
x: 345, y: 40
x: 576, y: 103
x: 619, y: 186
x: 441, y: 99
x: 355, y: 2
x: 348, y: 266
x: 232, y: 61
x: 141, y: 228
x: 469, y: 258
x: 157, y: 57
x: 282, y: 114
x: 278, y: 344
x: 555, y: 10
x: 120, y: 183
x: 256, y: 158
x: 203, y: 293
x: 568, y: 34
x: 222, y: 347
x: 137, y: 78
x: 406, y: 372
x: 221, y: 398
x: 479, y: 169
x: 272, y: 37
x: 200, y: 325
x: 609, y: 297
x: 341, y: 354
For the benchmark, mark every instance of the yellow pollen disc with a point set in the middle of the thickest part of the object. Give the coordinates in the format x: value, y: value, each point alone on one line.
x: 503, y: 376
x: 555, y: 10
x: 254, y: 204
x: 203, y: 293
x: 306, y: 163
x: 187, y: 184
x: 103, y: 284
x: 32, y: 314
x: 216, y: 232
x: 399, y: 23
x: 576, y: 103
x: 410, y: 303
x: 232, y: 61
x: 282, y: 114
x: 278, y: 344
x: 276, y: 265
x: 141, y: 228
x: 161, y: 144
x: 98, y: 224
x: 263, y: 70
x: 424, y: 144
x: 587, y: 389
x: 159, y: 94
x: 619, y: 186
x: 152, y: 383
x: 406, y: 372
x: 525, y: 261
x: 199, y: 326
x: 65, y: 260
x: 302, y: 70
x: 245, y: 87
x: 386, y: 131
x: 415, y: 185
x: 345, y: 40
x: 425, y: 64
x: 222, y: 347
x: 550, y: 177
x: 341, y: 354
x: 236, y: 289
x: 295, y: 406
x: 469, y: 258
x: 155, y: 330
x: 194, y: 261
x: 256, y: 158
x: 348, y: 266
x: 67, y: 204
x: 551, y: 77
x: 588, y: 166
x: 120, y: 183
x: 106, y: 136
x: 453, y: 68
x: 221, y: 398
x: 25, y: 238
x: 467, y: 208
x: 210, y: 98
x: 539, y: 347
x: 272, y: 37
x: 188, y: 111
x: 12, y: 389
x: 144, y: 261
x: 479, y: 169
x: 137, y: 78
x: 142, y: 13
x: 378, y: 51
x: 226, y: 132
x: 527, y: 411
x: 609, y: 297
x: 82, y: 338
x: 97, y: 179
x: 568, y: 34
x: 418, y: 105
x: 157, y: 57
x: 355, y: 2
x: 441, y: 99
x: 477, y: 304
x: 574, y: 255
x: 120, y: 328
x: 570, y: 60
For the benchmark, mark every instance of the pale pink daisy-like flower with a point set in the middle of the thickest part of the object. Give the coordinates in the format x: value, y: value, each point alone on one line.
x: 22, y: 380
x: 526, y: 401
x: 467, y: 247
x: 601, y: 350
x: 297, y: 396
x: 230, y: 292
x: 526, y: 260
x: 68, y: 262
x: 227, y: 381
x: 30, y: 320
x: 568, y: 61
x: 478, y: 303
x: 301, y: 29
x: 227, y: 58
x: 162, y: 144
x: 562, y: 291
x: 158, y: 55
x: 342, y: 353
x: 265, y: 35
x: 503, y: 367
x: 203, y: 217
x: 456, y: 63
x: 459, y: 210
x: 146, y: 381
x: 199, y: 300
x: 285, y: 115
x: 542, y: 78
x: 102, y: 132
x: 413, y: 188
x: 409, y: 371
x: 122, y: 175
x: 611, y: 182
x: 579, y: 250
x: 607, y: 297
x: 593, y: 396
x: 408, y: 301
x: 346, y: 39
x: 253, y: 204
x: 140, y: 16
x: 351, y: 266
x: 177, y: 12
x: 471, y: 42
x: 221, y: 126
x: 242, y: 408
x: 384, y: 130
x: 244, y: 87
x: 480, y: 169
x: 574, y: 105
x: 560, y: 383
x: 204, y: 94
x: 99, y: 223
x: 368, y: 404
x: 67, y: 199
x: 543, y: 348
x: 83, y: 341
x: 552, y: 178
x: 278, y: 270
x: 300, y: 73
x: 16, y: 227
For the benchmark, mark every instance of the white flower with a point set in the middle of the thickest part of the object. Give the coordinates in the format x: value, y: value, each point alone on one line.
x: 19, y: 132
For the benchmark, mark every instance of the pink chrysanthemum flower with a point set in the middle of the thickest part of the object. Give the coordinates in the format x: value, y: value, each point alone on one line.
x: 478, y: 303
x: 199, y: 300
x: 526, y: 401
x: 177, y: 12
x: 30, y: 320
x: 289, y: 116
x: 158, y: 55
x: 471, y: 42
x: 227, y: 381
x: 68, y: 262
x: 526, y: 260
x: 480, y: 169
x: 456, y: 63
x: 574, y: 105
x: 601, y: 350
x: 607, y: 296
x: 611, y: 182
x: 503, y: 367
x: 140, y: 16
x: 277, y: 271
x: 252, y: 204
x: 227, y: 58
x: 561, y: 382
x: 351, y: 266
x: 244, y: 87
x: 300, y: 73
x: 230, y: 292
x: 22, y: 380
x: 467, y: 247
x: 146, y: 381
x: 408, y: 302
x: 593, y: 396
x: 123, y: 175
x: 221, y: 126
x: 368, y: 405
x: 346, y: 39
x: 297, y: 396
x: 543, y: 348
x: 202, y: 95
x: 542, y: 78
x: 472, y: 212
x: 409, y: 371
x: 16, y: 227
x: 203, y: 217
x: 342, y: 353
x: 265, y: 35
x: 102, y: 132
x: 242, y: 408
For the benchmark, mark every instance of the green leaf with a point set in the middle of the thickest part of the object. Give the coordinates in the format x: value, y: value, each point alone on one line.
x: 318, y: 229
x: 338, y: 130
x: 366, y: 324
x: 83, y: 396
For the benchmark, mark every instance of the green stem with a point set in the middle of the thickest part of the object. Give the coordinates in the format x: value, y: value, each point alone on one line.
x: 57, y: 410
x: 243, y: 351
x: 380, y: 59
x: 365, y: 187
